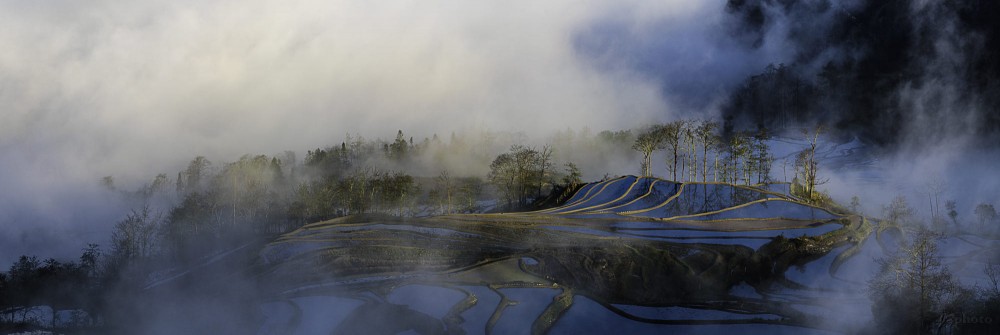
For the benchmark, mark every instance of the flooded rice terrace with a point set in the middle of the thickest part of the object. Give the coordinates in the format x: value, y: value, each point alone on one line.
x: 623, y: 255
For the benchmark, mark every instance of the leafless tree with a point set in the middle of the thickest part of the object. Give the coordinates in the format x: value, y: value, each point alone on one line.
x: 646, y: 143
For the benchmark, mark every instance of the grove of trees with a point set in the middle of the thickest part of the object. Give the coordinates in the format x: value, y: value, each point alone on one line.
x: 521, y: 174
x: 741, y: 157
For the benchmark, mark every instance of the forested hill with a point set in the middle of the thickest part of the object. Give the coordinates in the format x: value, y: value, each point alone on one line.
x: 873, y: 68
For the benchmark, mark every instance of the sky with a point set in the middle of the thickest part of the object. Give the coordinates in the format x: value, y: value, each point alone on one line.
x: 89, y: 89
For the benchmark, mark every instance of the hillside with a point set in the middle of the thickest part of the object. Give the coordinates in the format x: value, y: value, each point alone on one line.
x: 464, y: 272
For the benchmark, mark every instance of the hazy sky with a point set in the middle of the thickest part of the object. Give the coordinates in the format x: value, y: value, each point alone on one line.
x: 95, y: 88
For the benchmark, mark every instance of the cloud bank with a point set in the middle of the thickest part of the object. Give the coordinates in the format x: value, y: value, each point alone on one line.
x: 133, y: 89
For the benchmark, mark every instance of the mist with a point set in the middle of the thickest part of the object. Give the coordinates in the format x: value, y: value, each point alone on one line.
x: 132, y: 90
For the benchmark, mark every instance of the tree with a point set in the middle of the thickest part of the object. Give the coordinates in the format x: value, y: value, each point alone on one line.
x: 739, y: 150
x: 951, y: 207
x: 504, y: 177
x: 90, y: 260
x: 986, y: 213
x: 192, y: 224
x: 912, y: 289
x: 897, y: 213
x: 399, y: 147
x: 807, y: 167
x: 247, y: 186
x: 648, y: 141
x: 544, y: 168
x: 158, y: 185
x: 934, y: 188
x: 671, y: 133
x: 134, y: 238
x: 22, y: 281
x: 443, y: 191
x: 195, y: 172
x: 855, y: 204
x: 706, y: 133
x: 761, y: 156
x: 109, y: 183
x: 515, y: 174
x: 527, y: 166
x: 469, y: 191
x: 573, y: 176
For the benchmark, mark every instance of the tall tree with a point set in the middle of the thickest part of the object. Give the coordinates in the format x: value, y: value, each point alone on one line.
x: 195, y: 172
x: 706, y: 133
x: 544, y: 168
x: 399, y: 147
x: 762, y: 159
x: 807, y: 167
x: 672, y: 133
x: 444, y: 190
x: 739, y: 151
x: 648, y: 141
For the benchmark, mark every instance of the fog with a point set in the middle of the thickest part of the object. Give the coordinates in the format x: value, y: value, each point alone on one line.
x: 130, y: 90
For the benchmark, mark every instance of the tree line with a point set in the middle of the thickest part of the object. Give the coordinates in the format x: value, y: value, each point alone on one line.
x: 698, y: 148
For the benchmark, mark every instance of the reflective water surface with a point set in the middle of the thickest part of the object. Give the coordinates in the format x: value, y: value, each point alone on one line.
x: 711, y: 260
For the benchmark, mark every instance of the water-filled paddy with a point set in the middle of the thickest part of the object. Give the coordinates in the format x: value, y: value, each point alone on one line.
x: 543, y: 271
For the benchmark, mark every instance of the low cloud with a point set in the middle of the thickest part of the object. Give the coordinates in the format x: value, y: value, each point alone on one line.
x: 134, y: 89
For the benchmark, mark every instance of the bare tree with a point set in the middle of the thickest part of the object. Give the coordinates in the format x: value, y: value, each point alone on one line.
x: 134, y: 237
x: 443, y: 191
x: 515, y: 172
x: 933, y: 189
x: 646, y: 143
x: 807, y: 167
x: 672, y: 133
x: 706, y: 133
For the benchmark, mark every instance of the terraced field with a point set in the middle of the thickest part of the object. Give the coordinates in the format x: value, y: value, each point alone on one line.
x: 638, y: 254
